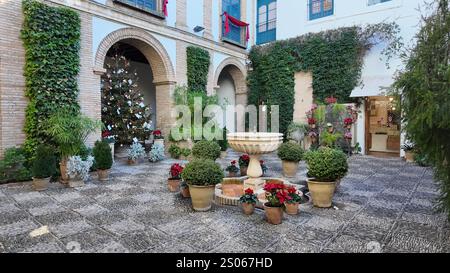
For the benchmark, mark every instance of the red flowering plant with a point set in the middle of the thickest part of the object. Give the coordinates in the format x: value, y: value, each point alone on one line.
x: 276, y: 194
x: 294, y: 196
x: 232, y: 168
x: 175, y: 171
x: 263, y: 166
x: 312, y: 121
x: 157, y: 134
x: 348, y: 121
x: 249, y: 197
x: 244, y: 160
x: 106, y: 136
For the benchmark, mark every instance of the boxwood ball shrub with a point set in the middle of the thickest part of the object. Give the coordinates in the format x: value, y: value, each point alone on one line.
x: 202, y: 172
x: 206, y: 150
x: 175, y: 151
x: 326, y: 164
x: 291, y: 152
x: 103, y: 155
x: 44, y: 164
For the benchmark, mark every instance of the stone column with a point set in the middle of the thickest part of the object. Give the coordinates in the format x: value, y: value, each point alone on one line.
x: 207, y: 19
x: 181, y: 21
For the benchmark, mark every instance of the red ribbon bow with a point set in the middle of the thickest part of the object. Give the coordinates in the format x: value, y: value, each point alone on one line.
x: 165, y: 2
x: 236, y: 22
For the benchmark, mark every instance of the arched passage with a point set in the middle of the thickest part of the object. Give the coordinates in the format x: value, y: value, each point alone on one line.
x: 230, y: 79
x: 156, y: 57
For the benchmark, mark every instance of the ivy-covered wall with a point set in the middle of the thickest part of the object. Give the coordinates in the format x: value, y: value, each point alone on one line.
x: 198, y: 62
x: 51, y: 37
x: 334, y: 57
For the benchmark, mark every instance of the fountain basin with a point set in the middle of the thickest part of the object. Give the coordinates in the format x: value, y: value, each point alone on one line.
x: 255, y: 143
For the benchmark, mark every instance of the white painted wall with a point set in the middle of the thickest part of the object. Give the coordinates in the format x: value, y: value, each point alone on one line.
x: 195, y: 15
x: 227, y: 96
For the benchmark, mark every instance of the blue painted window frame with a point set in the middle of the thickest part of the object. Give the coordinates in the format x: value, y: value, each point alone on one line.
x: 267, y: 35
x: 322, y: 13
x: 150, y: 6
x: 236, y: 34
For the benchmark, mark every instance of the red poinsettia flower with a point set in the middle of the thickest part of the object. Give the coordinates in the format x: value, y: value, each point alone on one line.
x: 176, y: 170
x: 348, y: 121
x: 249, y: 192
x: 311, y: 121
x: 157, y: 133
x: 234, y: 162
x: 106, y: 134
x: 292, y: 190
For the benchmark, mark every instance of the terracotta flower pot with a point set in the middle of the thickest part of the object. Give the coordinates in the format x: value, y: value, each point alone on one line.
x: 76, y: 183
x: 321, y: 193
x: 40, y: 184
x: 174, y: 185
x: 185, y: 192
x: 202, y: 197
x: 290, y: 168
x: 132, y: 162
x: 274, y: 215
x: 103, y: 175
x: 409, y: 156
x: 291, y: 209
x: 248, y: 208
x: 244, y: 171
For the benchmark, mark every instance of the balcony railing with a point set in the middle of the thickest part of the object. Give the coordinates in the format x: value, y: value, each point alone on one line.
x: 237, y: 35
x: 154, y: 7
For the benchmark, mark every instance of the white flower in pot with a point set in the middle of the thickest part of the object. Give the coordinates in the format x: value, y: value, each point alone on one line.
x: 78, y: 170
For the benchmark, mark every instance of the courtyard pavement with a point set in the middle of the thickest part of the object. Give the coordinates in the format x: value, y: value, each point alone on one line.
x: 383, y: 205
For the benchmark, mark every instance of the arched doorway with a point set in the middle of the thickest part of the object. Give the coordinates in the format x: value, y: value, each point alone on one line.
x: 232, y: 90
x: 153, y: 66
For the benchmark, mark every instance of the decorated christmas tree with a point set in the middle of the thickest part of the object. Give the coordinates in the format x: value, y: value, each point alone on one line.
x: 124, y: 112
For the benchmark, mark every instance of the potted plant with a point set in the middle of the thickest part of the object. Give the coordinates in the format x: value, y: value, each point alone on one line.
x: 248, y: 201
x: 276, y: 195
x: 69, y: 130
x: 325, y: 167
x: 158, y: 137
x: 103, y: 159
x: 409, y: 149
x: 348, y: 123
x: 202, y: 175
x: 175, y: 177
x: 293, y: 201
x: 185, y: 153
x: 135, y: 152
x: 175, y: 151
x: 244, y: 161
x: 206, y: 150
x: 291, y: 154
x: 185, y: 190
x: 157, y: 153
x: 44, y: 167
x: 232, y: 169
x: 78, y: 170
x: 223, y: 143
x: 108, y: 138
x: 263, y: 167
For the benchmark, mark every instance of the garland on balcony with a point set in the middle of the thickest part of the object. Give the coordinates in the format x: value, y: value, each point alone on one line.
x: 198, y: 62
x: 334, y: 57
x: 51, y: 37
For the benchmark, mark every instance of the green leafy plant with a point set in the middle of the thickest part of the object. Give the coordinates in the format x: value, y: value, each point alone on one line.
x: 70, y: 131
x: 51, y: 38
x: 13, y: 166
x: 232, y: 168
x: 330, y: 139
x: 423, y: 87
x: 291, y: 152
x: 293, y: 196
x: 175, y: 151
x: 103, y: 155
x: 44, y: 165
x: 198, y: 62
x: 326, y: 164
x: 206, y: 150
x: 202, y: 172
x: 249, y: 197
x: 186, y: 152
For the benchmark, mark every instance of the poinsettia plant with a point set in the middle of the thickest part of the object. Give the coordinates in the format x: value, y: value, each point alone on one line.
x: 348, y: 121
x: 232, y: 168
x: 249, y: 197
x: 175, y: 171
x: 157, y: 134
x: 276, y: 194
x: 294, y: 196
x: 108, y: 137
x: 244, y: 160
x: 312, y: 121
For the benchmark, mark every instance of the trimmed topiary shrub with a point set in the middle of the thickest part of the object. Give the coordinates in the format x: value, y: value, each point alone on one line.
x: 326, y: 164
x: 206, y: 150
x: 103, y: 155
x: 44, y: 164
x: 202, y: 172
x: 291, y: 152
x: 13, y: 166
x: 175, y: 151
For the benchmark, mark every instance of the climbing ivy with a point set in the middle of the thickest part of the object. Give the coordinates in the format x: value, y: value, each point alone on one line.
x: 334, y: 57
x: 51, y: 37
x: 198, y: 62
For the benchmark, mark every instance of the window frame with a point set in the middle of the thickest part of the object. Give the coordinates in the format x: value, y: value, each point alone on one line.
x: 157, y: 12
x: 323, y: 13
x: 269, y: 34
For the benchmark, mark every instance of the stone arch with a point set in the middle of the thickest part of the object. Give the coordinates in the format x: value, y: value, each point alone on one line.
x: 152, y: 49
x: 237, y: 71
x: 159, y: 61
